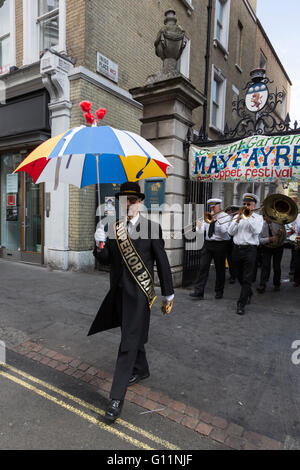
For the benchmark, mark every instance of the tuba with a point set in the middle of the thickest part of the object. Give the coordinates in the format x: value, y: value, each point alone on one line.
x: 282, y: 210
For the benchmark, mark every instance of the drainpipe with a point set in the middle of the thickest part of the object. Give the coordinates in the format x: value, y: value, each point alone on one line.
x: 207, y: 63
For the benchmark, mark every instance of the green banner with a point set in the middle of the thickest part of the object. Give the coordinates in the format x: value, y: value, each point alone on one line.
x: 253, y: 159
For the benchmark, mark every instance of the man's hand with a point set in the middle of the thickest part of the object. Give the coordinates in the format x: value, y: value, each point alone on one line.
x: 167, y: 304
x: 100, y: 235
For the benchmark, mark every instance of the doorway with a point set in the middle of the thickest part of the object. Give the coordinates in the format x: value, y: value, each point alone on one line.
x: 21, y: 213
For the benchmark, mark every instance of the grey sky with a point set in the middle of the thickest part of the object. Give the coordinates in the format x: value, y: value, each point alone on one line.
x: 280, y: 20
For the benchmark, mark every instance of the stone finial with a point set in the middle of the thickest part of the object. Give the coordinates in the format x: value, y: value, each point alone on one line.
x: 170, y: 42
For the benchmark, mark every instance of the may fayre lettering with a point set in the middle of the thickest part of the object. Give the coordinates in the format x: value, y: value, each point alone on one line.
x: 257, y: 158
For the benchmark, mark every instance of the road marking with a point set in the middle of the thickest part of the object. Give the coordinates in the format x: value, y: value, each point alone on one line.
x: 91, y: 407
x: 80, y: 413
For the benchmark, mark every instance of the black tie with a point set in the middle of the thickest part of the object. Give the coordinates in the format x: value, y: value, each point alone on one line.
x: 211, y: 229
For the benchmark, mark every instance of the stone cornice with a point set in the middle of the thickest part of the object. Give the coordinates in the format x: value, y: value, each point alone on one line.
x: 24, y: 80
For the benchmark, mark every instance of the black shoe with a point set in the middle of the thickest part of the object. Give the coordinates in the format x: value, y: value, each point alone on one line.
x: 240, y: 309
x: 277, y: 288
x: 135, y: 378
x: 231, y: 280
x: 219, y: 295
x: 113, y: 410
x: 296, y: 284
x: 261, y: 289
x: 196, y: 296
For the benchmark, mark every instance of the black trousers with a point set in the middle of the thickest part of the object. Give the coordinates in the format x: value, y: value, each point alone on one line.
x: 297, y: 267
x: 267, y: 255
x: 231, y: 267
x: 216, y: 251
x: 292, y: 262
x: 244, y: 257
x: 129, y: 362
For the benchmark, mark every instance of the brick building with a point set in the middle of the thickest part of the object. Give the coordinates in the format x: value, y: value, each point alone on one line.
x: 51, y: 58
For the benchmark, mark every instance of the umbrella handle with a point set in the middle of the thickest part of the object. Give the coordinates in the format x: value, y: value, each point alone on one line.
x: 98, y: 183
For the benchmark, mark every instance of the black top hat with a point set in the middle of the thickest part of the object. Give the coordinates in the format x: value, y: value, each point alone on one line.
x: 130, y: 188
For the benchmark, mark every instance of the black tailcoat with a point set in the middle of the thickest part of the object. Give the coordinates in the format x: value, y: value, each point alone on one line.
x: 135, y: 310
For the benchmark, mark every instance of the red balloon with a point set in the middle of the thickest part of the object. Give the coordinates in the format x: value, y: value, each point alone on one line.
x: 85, y: 106
x: 100, y: 113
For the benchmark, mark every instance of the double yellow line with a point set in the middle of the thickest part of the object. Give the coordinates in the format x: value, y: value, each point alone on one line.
x: 161, y: 443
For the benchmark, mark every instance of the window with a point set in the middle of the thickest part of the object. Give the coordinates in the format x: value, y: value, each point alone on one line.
x: 235, y: 98
x: 283, y: 105
x: 222, y: 23
x: 189, y: 5
x: 217, y: 100
x: 262, y: 61
x: 44, y: 27
x: 239, y: 48
x: 184, y: 62
x: 48, y: 23
x: 7, y: 37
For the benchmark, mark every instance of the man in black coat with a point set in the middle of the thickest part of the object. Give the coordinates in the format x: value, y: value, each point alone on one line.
x: 131, y: 295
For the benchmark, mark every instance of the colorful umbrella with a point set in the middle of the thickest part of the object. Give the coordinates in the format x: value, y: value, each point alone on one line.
x: 89, y: 155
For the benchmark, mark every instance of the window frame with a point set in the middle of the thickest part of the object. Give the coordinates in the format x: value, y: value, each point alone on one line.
x: 189, y: 6
x: 40, y: 19
x: 31, y: 30
x: 218, y: 77
x: 239, y: 49
x: 262, y: 55
x: 185, y: 59
x: 12, y: 39
x: 223, y: 41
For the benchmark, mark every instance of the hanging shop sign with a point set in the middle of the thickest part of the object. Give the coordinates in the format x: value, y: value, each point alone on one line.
x: 254, y: 159
x: 256, y: 97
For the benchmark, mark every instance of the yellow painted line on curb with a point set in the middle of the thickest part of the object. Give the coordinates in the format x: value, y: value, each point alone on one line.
x: 80, y: 413
x: 91, y: 407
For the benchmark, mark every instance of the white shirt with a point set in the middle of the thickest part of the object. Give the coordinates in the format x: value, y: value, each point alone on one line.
x: 264, y: 236
x: 132, y: 223
x: 221, y: 228
x: 247, y: 231
x: 296, y: 224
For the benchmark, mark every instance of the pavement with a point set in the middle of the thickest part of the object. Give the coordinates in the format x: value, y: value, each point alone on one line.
x: 230, y: 380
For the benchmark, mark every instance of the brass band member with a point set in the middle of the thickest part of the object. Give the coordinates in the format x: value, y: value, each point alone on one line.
x: 245, y: 232
x: 231, y: 210
x: 297, y: 253
x: 215, y: 246
x: 131, y: 255
x: 271, y: 239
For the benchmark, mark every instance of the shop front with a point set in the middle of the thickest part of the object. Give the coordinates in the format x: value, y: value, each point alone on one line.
x: 21, y: 212
x: 22, y: 201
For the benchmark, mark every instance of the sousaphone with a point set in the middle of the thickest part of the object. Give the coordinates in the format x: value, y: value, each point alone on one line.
x: 282, y: 210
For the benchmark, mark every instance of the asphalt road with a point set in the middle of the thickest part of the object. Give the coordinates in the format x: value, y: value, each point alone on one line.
x: 44, y: 409
x: 203, y: 354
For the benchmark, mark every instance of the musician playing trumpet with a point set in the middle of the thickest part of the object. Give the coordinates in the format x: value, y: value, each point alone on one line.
x: 271, y: 240
x: 245, y: 229
x: 215, y: 247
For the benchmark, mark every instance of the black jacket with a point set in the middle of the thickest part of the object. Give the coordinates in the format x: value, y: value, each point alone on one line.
x: 135, y: 310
